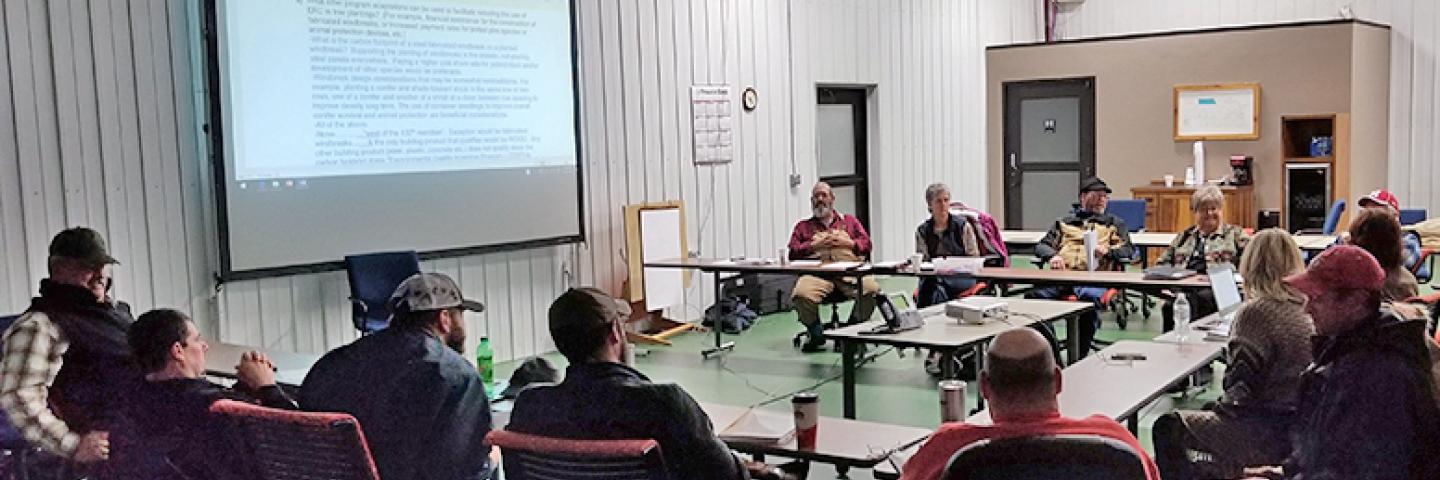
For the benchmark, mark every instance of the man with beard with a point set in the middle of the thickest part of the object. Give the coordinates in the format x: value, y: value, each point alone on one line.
x: 829, y: 236
x: 422, y: 407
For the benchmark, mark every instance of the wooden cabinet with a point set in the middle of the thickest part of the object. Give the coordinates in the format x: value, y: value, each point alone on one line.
x: 1167, y: 209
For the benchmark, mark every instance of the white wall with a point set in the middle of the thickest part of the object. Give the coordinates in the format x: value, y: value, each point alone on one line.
x: 99, y: 128
x: 1414, y: 153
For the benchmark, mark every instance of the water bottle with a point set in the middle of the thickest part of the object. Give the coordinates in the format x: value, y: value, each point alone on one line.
x: 485, y: 362
x: 1182, y: 318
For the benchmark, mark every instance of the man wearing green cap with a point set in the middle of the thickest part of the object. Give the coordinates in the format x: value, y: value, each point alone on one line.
x: 68, y: 351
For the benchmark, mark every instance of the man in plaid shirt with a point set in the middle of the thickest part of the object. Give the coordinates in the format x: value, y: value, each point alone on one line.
x: 68, y: 351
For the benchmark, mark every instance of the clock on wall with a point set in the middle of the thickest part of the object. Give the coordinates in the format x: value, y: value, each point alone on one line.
x: 749, y: 99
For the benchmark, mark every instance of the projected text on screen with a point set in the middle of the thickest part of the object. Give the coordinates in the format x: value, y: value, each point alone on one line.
x: 353, y: 87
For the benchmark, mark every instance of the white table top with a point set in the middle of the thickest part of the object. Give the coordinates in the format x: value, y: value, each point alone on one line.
x: 838, y: 441
x: 1199, y: 329
x: 941, y: 331
x: 1120, y: 389
x: 1157, y: 239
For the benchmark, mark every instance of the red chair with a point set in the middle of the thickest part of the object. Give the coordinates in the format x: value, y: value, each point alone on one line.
x: 533, y: 457
x: 281, y: 444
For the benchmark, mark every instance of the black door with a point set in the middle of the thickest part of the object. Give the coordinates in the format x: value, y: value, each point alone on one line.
x: 1049, y: 148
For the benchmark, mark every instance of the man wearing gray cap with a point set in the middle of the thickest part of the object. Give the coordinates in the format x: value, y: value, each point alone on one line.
x: 67, y: 364
x: 421, y: 405
x: 602, y: 398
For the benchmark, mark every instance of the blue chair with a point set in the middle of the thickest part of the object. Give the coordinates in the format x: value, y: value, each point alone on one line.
x: 1411, y: 216
x: 1332, y: 219
x: 1132, y: 212
x: 373, y: 277
x: 1046, y: 457
x: 11, y: 443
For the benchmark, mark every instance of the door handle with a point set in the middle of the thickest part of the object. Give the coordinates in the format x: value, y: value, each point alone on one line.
x: 1012, y: 162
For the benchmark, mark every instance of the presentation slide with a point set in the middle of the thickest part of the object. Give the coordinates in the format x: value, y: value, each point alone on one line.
x: 352, y: 126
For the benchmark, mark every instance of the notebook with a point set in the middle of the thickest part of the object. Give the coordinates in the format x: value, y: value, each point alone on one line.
x: 759, y: 428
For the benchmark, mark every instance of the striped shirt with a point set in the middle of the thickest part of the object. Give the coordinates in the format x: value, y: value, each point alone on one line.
x: 33, y: 348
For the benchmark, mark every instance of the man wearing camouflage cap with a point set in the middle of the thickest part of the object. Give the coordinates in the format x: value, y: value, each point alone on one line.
x: 422, y: 407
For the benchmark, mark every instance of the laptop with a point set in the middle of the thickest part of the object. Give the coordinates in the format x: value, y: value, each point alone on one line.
x: 1227, y: 292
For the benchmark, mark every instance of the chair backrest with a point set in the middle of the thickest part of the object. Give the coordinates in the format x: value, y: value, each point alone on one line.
x: 1332, y: 219
x: 1132, y: 212
x: 286, y: 445
x: 1411, y: 216
x: 534, y: 457
x: 373, y: 277
x: 1046, y: 457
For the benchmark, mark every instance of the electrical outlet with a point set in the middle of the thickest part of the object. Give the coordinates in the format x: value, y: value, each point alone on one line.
x: 794, y: 180
x: 694, y: 254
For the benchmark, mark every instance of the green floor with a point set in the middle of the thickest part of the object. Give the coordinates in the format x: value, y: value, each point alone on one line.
x: 894, y: 389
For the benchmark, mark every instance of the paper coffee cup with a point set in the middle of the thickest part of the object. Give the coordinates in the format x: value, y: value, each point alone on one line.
x: 807, y: 418
x: 1169, y: 181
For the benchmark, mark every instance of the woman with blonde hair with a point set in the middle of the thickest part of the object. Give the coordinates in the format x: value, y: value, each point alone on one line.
x: 1269, y: 349
x: 1207, y: 243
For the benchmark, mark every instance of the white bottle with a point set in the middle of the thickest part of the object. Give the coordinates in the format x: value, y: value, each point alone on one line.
x: 1182, y: 318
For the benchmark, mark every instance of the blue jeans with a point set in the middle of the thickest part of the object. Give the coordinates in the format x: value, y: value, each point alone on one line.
x: 1089, y: 321
x: 937, y: 290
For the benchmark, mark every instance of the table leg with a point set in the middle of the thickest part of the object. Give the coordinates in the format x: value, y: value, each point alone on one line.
x: 979, y: 366
x: 720, y: 345
x: 847, y: 368
x: 1133, y: 423
x: 1072, y: 339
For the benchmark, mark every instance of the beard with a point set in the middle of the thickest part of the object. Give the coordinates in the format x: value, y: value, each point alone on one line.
x: 456, y: 341
x: 820, y: 211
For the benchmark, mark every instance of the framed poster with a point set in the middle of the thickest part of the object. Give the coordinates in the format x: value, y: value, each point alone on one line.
x: 1228, y: 111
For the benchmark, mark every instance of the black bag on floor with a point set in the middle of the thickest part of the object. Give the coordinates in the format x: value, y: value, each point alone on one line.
x: 732, y: 315
x: 765, y: 293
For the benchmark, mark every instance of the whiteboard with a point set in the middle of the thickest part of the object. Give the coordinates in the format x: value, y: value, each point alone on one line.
x: 1217, y: 112
x: 660, y: 240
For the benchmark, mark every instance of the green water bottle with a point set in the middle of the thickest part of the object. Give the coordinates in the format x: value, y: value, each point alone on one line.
x: 485, y: 361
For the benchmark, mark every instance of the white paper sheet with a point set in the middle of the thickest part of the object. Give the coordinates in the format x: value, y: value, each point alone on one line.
x: 660, y: 239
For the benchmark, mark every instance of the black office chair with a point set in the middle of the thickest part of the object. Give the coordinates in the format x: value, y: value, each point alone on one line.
x: 373, y: 277
x: 1089, y: 457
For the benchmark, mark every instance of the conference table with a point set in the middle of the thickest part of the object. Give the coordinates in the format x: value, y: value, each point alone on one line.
x: 1027, y: 239
x: 1200, y: 329
x: 949, y: 336
x: 739, y: 266
x: 842, y: 442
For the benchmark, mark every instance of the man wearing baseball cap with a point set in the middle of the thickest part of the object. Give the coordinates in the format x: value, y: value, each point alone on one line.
x: 1063, y: 248
x: 69, y: 347
x: 601, y: 398
x: 1368, y: 405
x: 1384, y: 200
x: 422, y: 407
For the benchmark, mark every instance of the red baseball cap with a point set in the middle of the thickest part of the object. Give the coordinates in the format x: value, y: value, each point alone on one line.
x: 1381, y: 197
x: 1342, y: 267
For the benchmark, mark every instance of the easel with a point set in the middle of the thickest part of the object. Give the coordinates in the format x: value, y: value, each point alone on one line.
x: 661, y: 328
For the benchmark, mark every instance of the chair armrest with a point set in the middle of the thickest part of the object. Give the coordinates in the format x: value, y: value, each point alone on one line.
x: 359, y: 305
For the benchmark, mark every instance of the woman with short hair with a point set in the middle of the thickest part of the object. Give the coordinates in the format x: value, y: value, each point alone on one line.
x: 1207, y: 243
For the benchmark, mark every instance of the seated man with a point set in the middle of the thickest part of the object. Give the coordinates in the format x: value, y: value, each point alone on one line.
x: 602, y: 398
x: 1367, y: 403
x: 829, y: 236
x: 172, y: 409
x: 1021, y: 381
x: 1063, y: 248
x: 423, y: 408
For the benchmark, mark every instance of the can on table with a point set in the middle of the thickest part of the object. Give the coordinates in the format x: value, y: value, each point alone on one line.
x: 952, y: 400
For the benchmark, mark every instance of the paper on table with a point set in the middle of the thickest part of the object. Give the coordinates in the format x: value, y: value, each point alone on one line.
x: 1090, y: 250
x: 752, y: 428
x: 842, y: 265
x: 805, y: 263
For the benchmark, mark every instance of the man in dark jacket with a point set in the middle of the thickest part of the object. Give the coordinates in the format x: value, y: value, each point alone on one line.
x: 67, y: 367
x: 1063, y: 248
x: 1368, y: 407
x: 422, y: 407
x: 171, y: 410
x: 604, y: 399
